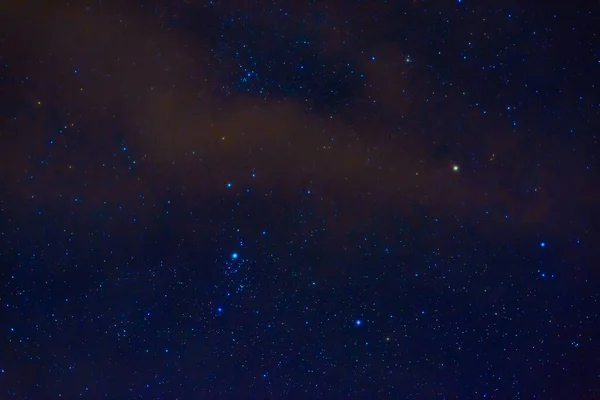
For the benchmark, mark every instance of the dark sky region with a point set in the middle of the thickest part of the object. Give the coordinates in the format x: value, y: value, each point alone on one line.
x: 299, y: 200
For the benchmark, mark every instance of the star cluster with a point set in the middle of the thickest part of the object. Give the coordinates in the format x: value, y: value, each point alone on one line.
x: 299, y: 200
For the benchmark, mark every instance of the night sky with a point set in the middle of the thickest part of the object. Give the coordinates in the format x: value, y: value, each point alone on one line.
x: 299, y: 199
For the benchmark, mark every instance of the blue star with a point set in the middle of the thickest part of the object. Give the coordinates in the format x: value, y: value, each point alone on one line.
x: 543, y: 244
x: 358, y: 322
x: 234, y: 255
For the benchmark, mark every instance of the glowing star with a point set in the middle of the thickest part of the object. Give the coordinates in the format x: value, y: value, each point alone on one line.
x: 455, y: 168
x: 358, y: 322
x: 234, y: 255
